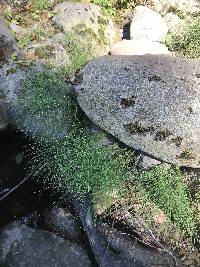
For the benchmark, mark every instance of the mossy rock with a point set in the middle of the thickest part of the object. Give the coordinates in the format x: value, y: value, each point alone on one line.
x: 8, y: 45
x: 96, y: 29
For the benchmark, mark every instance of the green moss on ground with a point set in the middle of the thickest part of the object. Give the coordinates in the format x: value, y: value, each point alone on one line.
x: 45, y: 52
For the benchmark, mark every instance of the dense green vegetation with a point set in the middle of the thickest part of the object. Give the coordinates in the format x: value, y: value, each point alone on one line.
x: 187, y: 41
x: 72, y: 161
x: 166, y: 187
x: 76, y: 163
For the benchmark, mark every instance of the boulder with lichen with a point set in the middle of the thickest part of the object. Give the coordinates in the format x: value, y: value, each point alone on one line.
x: 149, y: 102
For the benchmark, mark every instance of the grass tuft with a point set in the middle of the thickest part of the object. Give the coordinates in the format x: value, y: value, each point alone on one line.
x: 73, y: 163
x: 79, y: 56
x: 168, y: 190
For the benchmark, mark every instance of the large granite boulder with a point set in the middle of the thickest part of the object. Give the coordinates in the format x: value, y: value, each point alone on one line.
x: 151, y: 103
x: 22, y: 246
x: 95, y: 29
x: 147, y: 25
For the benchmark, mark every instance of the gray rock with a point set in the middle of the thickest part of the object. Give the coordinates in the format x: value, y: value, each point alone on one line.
x: 151, y: 103
x: 52, y: 51
x: 174, y: 23
x: 61, y: 221
x: 147, y: 25
x: 11, y: 76
x: 37, y: 126
x: 138, y: 47
x: 96, y: 29
x: 8, y: 44
x: 146, y: 162
x: 22, y: 246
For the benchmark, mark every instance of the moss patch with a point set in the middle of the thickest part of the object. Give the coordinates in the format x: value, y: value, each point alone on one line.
x: 128, y: 102
x: 11, y: 71
x: 138, y: 128
x: 102, y: 34
x: 154, y: 78
x: 45, y: 52
x: 162, y: 135
x: 102, y: 20
x: 186, y: 154
x: 177, y: 140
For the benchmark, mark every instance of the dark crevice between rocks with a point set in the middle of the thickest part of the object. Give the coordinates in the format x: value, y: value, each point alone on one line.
x: 28, y: 197
x: 126, y: 31
x: 29, y: 201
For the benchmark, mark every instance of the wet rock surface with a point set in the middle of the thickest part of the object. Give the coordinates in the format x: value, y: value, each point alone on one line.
x: 150, y: 103
x: 62, y: 222
x: 21, y: 246
x: 96, y: 29
x: 26, y: 198
x: 124, y: 245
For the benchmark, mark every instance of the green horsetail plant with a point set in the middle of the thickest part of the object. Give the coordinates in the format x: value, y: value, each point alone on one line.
x: 71, y: 161
x: 76, y: 164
